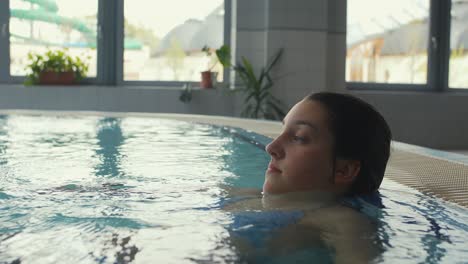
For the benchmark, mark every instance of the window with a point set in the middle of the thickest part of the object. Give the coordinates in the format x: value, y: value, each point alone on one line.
x: 458, y: 67
x: 410, y: 45
x: 136, y: 41
x: 165, y: 44
x: 387, y: 41
x: 36, y: 26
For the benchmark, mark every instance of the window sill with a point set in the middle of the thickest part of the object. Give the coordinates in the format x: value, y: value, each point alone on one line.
x: 93, y: 86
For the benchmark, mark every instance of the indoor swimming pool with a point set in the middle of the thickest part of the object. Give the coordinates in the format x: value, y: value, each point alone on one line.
x: 96, y: 189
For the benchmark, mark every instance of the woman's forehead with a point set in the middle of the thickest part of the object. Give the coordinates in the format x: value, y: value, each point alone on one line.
x: 308, y: 113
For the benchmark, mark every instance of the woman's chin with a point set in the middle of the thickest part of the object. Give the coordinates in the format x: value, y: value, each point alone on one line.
x: 268, y: 188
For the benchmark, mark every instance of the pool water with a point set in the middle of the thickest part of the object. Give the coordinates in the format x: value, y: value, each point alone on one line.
x: 90, y: 189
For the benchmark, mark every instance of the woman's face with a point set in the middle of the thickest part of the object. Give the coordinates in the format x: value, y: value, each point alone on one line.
x: 301, y: 156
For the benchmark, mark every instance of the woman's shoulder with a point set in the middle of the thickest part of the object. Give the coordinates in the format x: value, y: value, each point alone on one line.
x: 340, y: 218
x: 345, y: 229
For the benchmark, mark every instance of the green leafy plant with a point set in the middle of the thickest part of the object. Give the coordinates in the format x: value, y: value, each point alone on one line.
x: 54, y: 61
x: 259, y: 101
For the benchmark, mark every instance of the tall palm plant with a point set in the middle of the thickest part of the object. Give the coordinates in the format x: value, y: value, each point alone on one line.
x: 259, y: 101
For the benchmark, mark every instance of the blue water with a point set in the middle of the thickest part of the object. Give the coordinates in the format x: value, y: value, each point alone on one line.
x: 76, y: 189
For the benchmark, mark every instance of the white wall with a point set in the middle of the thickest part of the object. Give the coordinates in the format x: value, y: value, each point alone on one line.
x: 438, y: 120
x: 121, y: 99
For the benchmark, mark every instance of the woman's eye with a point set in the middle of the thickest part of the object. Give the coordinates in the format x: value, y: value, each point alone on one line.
x: 298, y: 139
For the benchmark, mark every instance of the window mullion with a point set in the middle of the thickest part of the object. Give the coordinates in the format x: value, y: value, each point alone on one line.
x: 101, y: 58
x: 118, y: 52
x: 4, y: 42
x: 439, y: 45
x: 107, y: 41
x: 445, y: 25
x: 227, y: 35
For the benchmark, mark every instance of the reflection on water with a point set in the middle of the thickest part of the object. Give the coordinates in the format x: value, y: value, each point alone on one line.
x: 123, y: 251
x: 110, y: 190
x: 246, y: 170
x: 417, y: 228
x: 3, y: 149
x: 434, y: 239
x: 110, y: 140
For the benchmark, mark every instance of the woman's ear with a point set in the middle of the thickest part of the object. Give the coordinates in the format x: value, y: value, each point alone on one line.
x: 346, y: 171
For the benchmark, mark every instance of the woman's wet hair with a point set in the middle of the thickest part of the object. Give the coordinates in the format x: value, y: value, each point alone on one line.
x: 360, y: 133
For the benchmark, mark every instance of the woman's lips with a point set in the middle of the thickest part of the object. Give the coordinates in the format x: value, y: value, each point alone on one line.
x: 272, y: 168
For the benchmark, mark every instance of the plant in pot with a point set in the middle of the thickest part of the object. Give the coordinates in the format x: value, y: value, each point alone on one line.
x: 208, y: 77
x: 55, y: 67
x: 259, y: 101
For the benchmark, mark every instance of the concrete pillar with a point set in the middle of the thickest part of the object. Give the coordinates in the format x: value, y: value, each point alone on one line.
x: 313, y: 35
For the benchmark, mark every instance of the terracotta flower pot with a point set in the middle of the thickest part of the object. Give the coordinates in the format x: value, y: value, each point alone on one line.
x: 57, y: 78
x: 206, y: 81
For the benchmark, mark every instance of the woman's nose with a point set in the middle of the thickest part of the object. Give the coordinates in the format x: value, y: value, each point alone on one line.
x: 274, y: 149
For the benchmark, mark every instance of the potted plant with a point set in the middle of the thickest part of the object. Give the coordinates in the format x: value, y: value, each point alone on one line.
x: 186, y: 93
x: 208, y: 77
x: 259, y: 102
x: 55, y: 67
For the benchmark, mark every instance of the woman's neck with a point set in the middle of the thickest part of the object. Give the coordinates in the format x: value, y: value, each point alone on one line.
x: 299, y: 200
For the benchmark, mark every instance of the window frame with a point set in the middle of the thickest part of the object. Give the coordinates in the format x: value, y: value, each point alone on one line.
x: 110, y: 34
x: 4, y: 41
x: 438, y: 56
x: 120, y: 52
x: 5, y: 74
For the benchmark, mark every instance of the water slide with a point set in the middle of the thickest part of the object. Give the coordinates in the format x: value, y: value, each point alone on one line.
x: 47, y: 12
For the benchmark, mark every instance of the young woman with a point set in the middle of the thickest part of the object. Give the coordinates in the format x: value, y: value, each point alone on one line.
x: 331, y: 146
x: 332, y: 143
